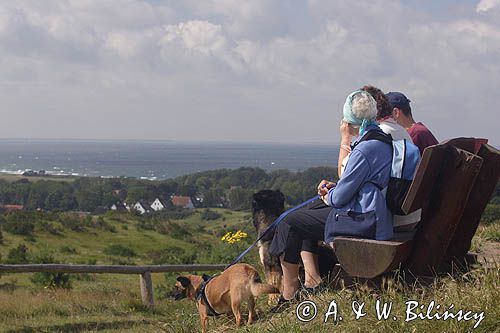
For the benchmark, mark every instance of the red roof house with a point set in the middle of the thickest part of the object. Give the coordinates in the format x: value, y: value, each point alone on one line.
x: 182, y: 201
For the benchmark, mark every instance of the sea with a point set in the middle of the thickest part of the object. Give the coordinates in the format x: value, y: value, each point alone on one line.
x: 155, y: 159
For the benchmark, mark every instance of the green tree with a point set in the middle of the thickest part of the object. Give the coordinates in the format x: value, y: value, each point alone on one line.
x: 239, y: 198
x: 213, y: 197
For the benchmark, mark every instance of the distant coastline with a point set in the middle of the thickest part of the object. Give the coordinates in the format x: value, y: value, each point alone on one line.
x: 153, y: 160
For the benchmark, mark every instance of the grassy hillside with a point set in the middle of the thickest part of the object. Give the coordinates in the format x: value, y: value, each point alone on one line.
x: 108, y: 298
x: 111, y: 302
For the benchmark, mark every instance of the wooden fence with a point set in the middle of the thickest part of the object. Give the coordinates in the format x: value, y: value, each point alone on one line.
x: 146, y: 282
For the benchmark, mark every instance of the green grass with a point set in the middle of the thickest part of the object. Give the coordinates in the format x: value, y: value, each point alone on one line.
x: 111, y: 302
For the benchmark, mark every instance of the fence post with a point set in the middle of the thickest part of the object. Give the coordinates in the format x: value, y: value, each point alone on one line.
x: 147, y: 289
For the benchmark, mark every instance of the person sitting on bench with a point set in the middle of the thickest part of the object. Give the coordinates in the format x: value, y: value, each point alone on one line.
x: 419, y: 133
x: 389, y: 125
x: 367, y: 170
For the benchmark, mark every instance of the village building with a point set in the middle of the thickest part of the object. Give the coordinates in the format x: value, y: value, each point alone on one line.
x: 142, y: 207
x: 119, y: 207
x: 10, y: 208
x: 158, y: 205
x: 182, y: 201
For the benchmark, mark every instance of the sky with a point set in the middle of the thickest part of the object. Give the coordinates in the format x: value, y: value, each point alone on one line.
x: 242, y: 71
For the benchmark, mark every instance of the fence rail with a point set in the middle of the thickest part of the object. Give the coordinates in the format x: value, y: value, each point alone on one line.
x: 111, y: 269
x: 146, y: 282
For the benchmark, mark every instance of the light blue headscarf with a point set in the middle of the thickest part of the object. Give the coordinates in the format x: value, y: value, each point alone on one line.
x: 349, y: 116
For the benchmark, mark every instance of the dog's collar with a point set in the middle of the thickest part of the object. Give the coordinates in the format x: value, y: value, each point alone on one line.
x: 200, y: 295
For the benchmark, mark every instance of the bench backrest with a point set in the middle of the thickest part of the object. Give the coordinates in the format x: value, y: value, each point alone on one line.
x: 451, y: 199
x: 478, y: 199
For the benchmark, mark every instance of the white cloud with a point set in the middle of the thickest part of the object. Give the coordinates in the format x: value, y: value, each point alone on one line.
x: 201, y: 36
x: 486, y: 5
x: 281, y: 69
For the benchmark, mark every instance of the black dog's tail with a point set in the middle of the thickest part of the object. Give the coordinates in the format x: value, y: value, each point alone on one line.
x: 258, y: 288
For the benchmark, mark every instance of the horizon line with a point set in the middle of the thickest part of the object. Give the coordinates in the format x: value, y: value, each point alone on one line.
x: 317, y: 143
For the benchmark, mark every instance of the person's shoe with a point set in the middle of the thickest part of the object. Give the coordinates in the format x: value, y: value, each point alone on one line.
x: 310, y: 291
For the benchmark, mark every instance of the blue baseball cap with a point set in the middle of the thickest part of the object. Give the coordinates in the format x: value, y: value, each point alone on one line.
x: 398, y: 100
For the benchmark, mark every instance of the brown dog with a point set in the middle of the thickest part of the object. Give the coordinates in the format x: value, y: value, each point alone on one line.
x: 224, y: 293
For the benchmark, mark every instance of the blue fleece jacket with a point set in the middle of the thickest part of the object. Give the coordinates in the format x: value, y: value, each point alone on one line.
x: 369, y: 162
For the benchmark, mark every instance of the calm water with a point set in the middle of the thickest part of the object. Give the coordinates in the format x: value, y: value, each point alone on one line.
x: 155, y: 160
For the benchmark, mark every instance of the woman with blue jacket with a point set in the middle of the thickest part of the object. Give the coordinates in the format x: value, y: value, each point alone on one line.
x: 356, y: 197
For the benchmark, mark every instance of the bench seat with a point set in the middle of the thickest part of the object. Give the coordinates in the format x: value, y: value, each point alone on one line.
x: 367, y: 258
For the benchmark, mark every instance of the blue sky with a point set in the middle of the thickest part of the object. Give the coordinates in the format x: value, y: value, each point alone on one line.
x: 235, y: 70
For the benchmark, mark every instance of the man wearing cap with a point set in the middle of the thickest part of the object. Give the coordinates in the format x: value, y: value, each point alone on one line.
x: 401, y: 112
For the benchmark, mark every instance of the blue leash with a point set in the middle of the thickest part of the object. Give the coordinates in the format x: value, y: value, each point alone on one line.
x: 274, y: 224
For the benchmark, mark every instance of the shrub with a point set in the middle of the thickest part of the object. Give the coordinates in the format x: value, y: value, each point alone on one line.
x: 18, y: 255
x: 49, y: 227
x: 145, y: 225
x: 172, y: 255
x: 101, y: 224
x: 119, y: 250
x: 74, y: 222
x: 209, y: 215
x: 49, y: 280
x: 19, y: 223
x: 1, y: 236
x: 177, y: 214
x: 178, y: 231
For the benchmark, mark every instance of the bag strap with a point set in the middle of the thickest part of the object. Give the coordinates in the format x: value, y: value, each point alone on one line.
x: 374, y: 135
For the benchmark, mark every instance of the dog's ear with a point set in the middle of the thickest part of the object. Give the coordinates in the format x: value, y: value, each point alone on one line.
x: 185, y: 282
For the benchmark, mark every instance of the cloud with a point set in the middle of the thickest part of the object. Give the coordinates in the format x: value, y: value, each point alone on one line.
x: 201, y: 36
x: 486, y: 5
x: 239, y: 70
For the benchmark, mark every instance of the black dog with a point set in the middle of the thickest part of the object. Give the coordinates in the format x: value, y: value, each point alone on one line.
x: 267, y: 207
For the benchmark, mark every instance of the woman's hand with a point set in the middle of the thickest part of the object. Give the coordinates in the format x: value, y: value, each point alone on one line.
x: 324, y: 186
x: 347, y: 132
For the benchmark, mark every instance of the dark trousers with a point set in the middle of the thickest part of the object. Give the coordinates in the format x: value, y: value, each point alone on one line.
x: 300, y: 231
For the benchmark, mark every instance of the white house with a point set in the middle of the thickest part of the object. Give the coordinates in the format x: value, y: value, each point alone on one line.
x: 118, y: 206
x: 157, y: 205
x: 142, y: 207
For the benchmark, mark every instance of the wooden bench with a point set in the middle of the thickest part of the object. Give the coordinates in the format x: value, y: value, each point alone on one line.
x: 452, y: 185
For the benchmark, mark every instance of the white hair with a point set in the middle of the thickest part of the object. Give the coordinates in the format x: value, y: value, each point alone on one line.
x: 364, y: 106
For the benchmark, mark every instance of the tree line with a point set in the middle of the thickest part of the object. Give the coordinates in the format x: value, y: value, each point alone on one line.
x: 231, y: 188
